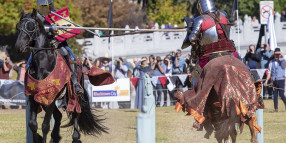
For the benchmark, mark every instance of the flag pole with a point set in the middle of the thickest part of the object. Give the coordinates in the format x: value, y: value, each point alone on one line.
x: 238, y: 34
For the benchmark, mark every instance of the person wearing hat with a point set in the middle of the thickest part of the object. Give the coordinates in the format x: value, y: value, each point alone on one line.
x: 276, y: 72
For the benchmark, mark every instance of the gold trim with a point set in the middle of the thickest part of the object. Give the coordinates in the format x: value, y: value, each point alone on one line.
x: 216, y: 52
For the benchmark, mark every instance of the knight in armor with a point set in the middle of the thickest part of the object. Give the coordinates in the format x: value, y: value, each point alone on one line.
x: 208, y: 34
x: 44, y: 7
x: 221, y: 78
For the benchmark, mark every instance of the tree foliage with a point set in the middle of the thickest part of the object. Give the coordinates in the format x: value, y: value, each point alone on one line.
x: 95, y: 13
x: 10, y: 12
x: 164, y: 11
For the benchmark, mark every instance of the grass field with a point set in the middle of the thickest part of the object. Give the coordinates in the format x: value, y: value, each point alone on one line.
x: 171, y: 127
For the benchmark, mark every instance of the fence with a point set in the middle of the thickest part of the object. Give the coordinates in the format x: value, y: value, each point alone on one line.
x: 162, y: 42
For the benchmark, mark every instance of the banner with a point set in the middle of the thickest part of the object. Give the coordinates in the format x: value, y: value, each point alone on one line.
x: 12, y: 92
x: 118, y: 91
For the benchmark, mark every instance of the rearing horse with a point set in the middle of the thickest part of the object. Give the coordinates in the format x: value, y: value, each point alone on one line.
x: 44, y: 60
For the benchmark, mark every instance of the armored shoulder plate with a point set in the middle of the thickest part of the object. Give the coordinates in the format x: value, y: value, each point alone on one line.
x: 196, y: 29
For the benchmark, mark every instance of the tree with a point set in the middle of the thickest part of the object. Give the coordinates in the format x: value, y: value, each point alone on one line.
x: 95, y: 13
x: 165, y: 11
x: 10, y: 12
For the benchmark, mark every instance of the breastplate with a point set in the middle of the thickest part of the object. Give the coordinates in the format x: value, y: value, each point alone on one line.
x: 209, y: 36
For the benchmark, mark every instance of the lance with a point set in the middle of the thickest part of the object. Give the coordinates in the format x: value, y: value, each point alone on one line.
x: 56, y: 27
x: 73, y: 23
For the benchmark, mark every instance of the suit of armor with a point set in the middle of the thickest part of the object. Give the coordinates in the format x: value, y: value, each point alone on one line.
x: 44, y: 7
x: 209, y: 33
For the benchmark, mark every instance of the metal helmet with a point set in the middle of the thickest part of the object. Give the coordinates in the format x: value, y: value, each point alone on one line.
x: 205, y: 6
x: 43, y: 6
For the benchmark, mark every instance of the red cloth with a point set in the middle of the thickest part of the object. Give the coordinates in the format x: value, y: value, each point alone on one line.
x: 230, y: 80
x: 69, y: 33
x: 98, y: 77
x: 134, y: 80
x: 163, y: 80
x: 46, y: 90
x: 5, y: 74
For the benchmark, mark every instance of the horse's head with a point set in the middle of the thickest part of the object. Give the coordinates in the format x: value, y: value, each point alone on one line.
x: 28, y: 29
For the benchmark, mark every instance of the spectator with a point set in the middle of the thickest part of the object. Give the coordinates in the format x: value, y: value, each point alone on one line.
x: 135, y: 61
x: 168, y: 26
x: 254, y: 22
x: 168, y: 65
x: 283, y: 16
x: 251, y: 59
x: 277, y: 73
x: 265, y: 54
x: 178, y: 62
x: 5, y: 68
x: 98, y: 63
x: 142, y: 69
x: 159, y: 69
x: 120, y: 69
x: 151, y: 60
x: 21, y: 70
x: 105, y: 65
x: 239, y: 21
x: 86, y: 65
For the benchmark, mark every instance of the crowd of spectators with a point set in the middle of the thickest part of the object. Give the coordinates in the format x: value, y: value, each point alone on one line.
x: 173, y: 63
x: 275, y: 62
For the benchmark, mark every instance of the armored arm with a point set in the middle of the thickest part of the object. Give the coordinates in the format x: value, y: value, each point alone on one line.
x: 195, y: 31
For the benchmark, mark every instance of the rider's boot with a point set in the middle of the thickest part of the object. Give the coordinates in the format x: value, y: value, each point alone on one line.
x: 77, y: 88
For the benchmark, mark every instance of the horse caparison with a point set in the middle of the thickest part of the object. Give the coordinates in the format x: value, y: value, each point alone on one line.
x: 32, y: 33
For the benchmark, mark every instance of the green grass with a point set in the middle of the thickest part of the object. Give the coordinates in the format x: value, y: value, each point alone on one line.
x: 171, y: 127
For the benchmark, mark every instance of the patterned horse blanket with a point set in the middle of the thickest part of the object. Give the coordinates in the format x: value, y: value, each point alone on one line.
x: 46, y: 90
x: 230, y: 79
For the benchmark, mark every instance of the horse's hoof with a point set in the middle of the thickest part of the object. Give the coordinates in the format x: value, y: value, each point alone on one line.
x: 39, y: 138
x: 254, y: 141
x: 55, y: 140
x: 76, y: 141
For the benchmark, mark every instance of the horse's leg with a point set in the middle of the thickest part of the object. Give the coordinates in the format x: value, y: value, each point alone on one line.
x: 33, y: 119
x: 250, y: 122
x: 47, y: 119
x: 76, y: 134
x: 226, y: 140
x: 55, y: 135
x: 233, y: 134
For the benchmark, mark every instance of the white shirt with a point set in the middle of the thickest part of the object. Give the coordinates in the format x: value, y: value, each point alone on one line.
x: 275, y: 64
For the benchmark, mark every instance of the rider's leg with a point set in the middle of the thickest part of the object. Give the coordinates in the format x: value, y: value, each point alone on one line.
x: 28, y: 62
x: 67, y: 53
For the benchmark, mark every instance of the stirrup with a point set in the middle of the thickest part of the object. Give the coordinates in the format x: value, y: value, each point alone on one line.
x: 75, y: 91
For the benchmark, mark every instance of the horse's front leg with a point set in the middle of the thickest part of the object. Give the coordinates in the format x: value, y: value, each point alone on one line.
x: 76, y: 134
x: 250, y: 122
x: 55, y: 135
x: 46, y: 122
x: 33, y: 119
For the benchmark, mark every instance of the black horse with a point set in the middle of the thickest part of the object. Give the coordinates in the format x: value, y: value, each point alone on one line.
x: 33, y: 34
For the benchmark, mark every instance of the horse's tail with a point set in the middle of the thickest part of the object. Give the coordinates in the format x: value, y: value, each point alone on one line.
x: 88, y: 122
x: 226, y: 126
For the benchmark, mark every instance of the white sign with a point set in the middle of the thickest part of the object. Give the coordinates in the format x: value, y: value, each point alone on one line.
x: 118, y: 91
x: 265, y: 8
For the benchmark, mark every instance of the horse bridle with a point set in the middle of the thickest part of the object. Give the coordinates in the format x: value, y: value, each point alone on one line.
x: 32, y: 33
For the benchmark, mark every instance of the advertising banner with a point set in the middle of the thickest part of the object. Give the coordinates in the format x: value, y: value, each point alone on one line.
x: 12, y: 92
x: 118, y: 91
